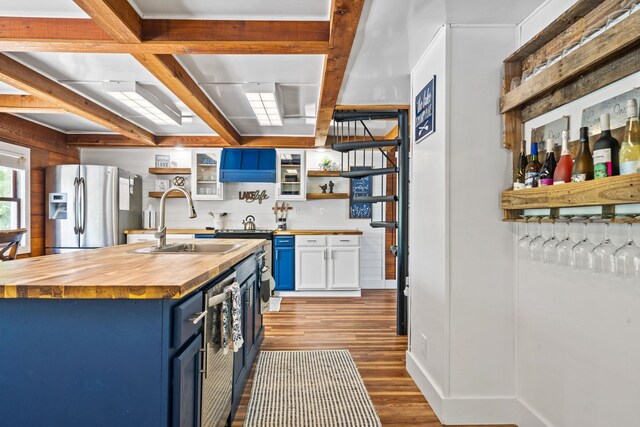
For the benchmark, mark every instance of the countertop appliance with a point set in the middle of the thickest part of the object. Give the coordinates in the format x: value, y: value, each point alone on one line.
x: 90, y: 206
x: 217, y: 372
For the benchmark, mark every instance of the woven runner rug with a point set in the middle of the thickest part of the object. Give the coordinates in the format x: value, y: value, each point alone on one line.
x: 309, y: 388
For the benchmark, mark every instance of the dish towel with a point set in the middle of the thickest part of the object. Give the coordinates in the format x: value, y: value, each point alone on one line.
x: 224, y: 326
x: 236, y: 318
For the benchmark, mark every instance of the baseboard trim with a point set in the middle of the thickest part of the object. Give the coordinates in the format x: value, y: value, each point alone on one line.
x: 372, y: 284
x: 328, y: 294
x: 529, y: 417
x: 464, y: 411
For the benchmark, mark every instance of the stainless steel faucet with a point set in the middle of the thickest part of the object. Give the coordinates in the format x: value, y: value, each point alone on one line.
x: 161, y: 234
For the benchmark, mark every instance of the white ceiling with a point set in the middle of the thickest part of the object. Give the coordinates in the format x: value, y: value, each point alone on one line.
x: 65, y: 123
x: 293, y: 10
x: 390, y: 36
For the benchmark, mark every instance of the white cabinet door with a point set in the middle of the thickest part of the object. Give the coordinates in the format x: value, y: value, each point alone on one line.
x: 311, y: 268
x: 344, y: 267
x: 205, y: 174
x: 135, y: 238
x: 291, y: 175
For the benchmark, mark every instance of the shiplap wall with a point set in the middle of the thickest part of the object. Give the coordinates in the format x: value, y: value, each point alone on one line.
x: 312, y: 214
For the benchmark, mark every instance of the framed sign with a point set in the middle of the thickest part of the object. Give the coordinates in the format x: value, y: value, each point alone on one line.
x: 360, y: 187
x: 552, y: 130
x: 425, y: 108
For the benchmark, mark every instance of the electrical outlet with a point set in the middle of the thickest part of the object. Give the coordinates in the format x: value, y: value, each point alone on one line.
x: 423, y: 346
x: 321, y: 211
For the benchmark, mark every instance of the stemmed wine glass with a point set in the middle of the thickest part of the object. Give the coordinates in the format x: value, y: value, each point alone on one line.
x: 565, y: 246
x: 603, y: 255
x: 627, y: 257
x: 535, y: 246
x: 523, y: 243
x: 549, y: 254
x: 582, y: 251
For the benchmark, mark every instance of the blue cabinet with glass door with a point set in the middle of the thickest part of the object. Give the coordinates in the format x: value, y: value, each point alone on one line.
x: 284, y: 263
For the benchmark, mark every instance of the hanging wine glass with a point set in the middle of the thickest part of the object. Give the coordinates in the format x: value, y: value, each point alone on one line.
x: 565, y: 246
x: 523, y: 243
x: 603, y: 255
x: 535, y: 246
x: 549, y: 254
x: 627, y: 257
x: 582, y: 251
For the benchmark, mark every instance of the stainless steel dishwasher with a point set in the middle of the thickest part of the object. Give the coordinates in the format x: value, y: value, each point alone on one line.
x: 217, y: 369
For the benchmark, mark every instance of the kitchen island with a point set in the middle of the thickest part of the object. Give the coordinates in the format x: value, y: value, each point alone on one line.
x: 110, y: 337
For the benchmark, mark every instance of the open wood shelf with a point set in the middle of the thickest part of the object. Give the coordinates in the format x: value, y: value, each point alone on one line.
x: 323, y: 196
x: 170, y: 171
x: 158, y: 194
x: 323, y: 174
x: 616, y: 190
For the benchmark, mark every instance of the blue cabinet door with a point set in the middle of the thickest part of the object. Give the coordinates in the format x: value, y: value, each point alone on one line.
x: 284, y: 269
x: 186, y: 386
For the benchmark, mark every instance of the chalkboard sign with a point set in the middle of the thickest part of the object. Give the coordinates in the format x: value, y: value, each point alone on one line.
x: 425, y: 122
x: 360, y: 187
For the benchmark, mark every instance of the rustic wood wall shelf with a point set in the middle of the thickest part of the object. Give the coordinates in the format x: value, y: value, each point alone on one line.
x: 170, y: 171
x: 158, y: 194
x: 335, y: 174
x: 324, y: 196
x: 617, y: 190
x: 610, y: 56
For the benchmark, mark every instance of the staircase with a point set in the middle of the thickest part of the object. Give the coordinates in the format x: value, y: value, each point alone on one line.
x: 355, y: 152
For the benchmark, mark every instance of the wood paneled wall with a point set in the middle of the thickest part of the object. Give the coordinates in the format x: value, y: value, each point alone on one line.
x: 48, y: 148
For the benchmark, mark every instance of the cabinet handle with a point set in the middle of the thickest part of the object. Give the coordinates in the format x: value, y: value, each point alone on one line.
x: 197, y: 317
x: 311, y: 240
x: 345, y: 240
x: 331, y: 254
x: 324, y: 254
x: 277, y: 255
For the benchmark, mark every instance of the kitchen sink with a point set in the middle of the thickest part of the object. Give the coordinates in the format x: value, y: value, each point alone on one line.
x: 191, y: 248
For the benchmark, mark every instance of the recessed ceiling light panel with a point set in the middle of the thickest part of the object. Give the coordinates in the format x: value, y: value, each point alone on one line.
x: 263, y: 102
x: 143, y: 102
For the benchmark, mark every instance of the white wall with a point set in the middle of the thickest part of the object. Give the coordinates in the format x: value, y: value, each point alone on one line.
x: 313, y: 214
x: 460, y: 259
x: 577, y: 332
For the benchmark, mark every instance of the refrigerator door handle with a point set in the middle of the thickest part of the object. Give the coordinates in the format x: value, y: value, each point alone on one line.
x: 76, y: 205
x: 83, y: 208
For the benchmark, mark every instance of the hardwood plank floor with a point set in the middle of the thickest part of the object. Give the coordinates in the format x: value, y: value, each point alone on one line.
x: 366, y: 327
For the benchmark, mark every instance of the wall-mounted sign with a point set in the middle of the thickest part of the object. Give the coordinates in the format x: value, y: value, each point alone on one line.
x: 360, y: 187
x: 252, y: 196
x: 551, y: 130
x: 163, y: 161
x: 616, y: 107
x: 425, y: 108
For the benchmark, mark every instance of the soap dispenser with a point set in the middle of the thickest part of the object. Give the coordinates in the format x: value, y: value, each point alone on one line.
x: 149, y: 218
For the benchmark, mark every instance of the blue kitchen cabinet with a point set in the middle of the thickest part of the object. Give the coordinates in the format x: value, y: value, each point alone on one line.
x: 187, y: 385
x: 284, y: 263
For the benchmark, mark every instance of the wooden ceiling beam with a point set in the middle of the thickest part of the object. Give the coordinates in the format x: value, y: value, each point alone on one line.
x: 345, y: 16
x: 189, y: 141
x: 23, y: 132
x: 165, y: 36
x: 116, y: 18
x: 27, y: 104
x: 173, y: 75
x: 27, y: 80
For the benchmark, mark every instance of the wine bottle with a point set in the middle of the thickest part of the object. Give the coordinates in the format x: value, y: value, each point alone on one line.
x: 630, y: 147
x: 583, y: 165
x: 518, y: 173
x: 532, y: 171
x: 606, y: 151
x: 565, y: 164
x: 549, y: 166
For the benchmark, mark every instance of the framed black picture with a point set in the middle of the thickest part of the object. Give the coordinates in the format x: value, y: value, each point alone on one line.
x: 360, y: 187
x: 425, y: 108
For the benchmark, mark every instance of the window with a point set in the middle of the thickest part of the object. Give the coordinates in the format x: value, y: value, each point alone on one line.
x: 14, y: 190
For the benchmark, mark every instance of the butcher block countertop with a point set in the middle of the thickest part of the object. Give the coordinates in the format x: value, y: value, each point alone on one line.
x: 173, y: 231
x: 116, y: 273
x: 318, y: 232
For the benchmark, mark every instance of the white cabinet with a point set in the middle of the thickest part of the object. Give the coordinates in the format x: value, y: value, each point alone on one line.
x: 291, y: 175
x: 205, y: 175
x: 135, y: 238
x: 311, y: 268
x: 331, y: 263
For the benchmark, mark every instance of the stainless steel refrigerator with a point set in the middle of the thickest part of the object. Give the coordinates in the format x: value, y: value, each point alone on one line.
x: 90, y: 206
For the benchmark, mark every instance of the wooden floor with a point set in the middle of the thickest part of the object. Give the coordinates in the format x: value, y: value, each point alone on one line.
x: 364, y: 326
